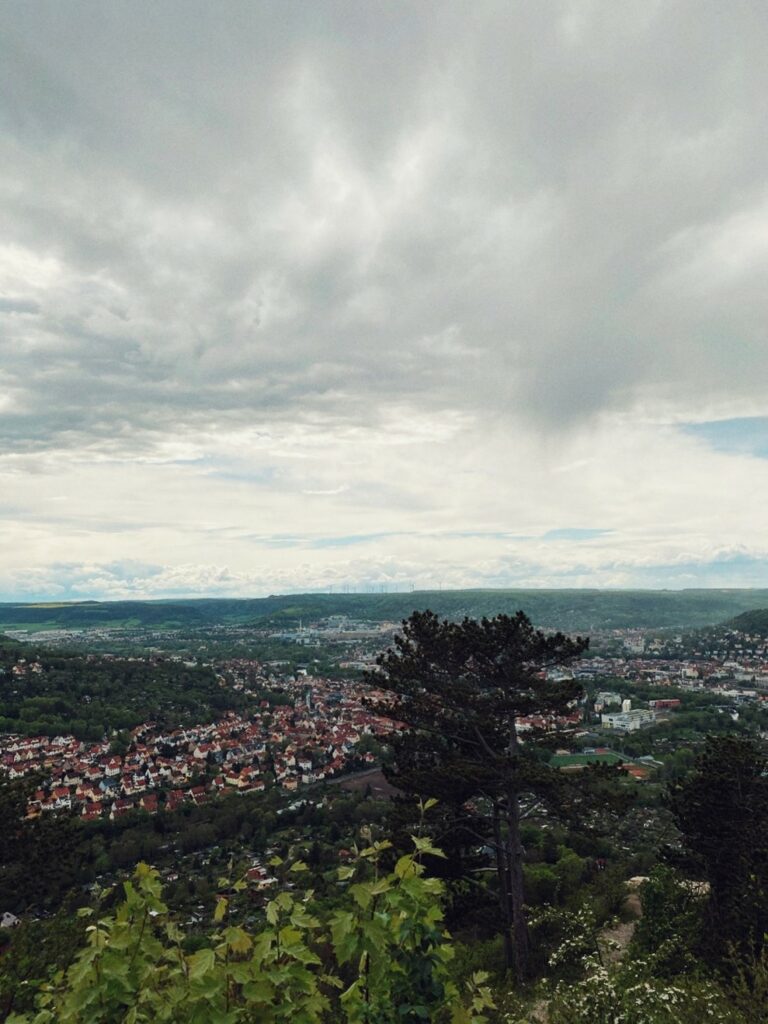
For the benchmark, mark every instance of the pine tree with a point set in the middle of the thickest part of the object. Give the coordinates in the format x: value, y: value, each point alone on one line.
x: 722, y: 812
x: 461, y: 690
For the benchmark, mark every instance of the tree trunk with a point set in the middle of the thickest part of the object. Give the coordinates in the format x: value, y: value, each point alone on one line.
x: 516, y: 882
x: 517, y: 886
x: 502, y: 870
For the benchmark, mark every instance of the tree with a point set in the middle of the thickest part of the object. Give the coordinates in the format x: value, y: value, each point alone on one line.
x: 38, y: 857
x: 34, y: 950
x: 721, y: 810
x: 461, y: 689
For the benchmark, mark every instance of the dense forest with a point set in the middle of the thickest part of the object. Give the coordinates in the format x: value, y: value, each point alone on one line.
x: 752, y: 622
x: 48, y: 694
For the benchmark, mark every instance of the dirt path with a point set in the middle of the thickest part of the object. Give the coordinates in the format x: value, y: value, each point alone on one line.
x: 615, y: 940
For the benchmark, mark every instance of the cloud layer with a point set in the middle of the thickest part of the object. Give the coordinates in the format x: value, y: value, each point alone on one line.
x: 293, y: 296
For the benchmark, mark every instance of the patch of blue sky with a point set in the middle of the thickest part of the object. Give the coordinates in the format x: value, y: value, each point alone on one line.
x: 363, y: 538
x: 731, y: 570
x: 278, y: 540
x: 296, y: 540
x: 131, y: 569
x: 247, y: 476
x: 486, y: 535
x: 744, y: 435
x: 575, y: 533
x: 349, y: 540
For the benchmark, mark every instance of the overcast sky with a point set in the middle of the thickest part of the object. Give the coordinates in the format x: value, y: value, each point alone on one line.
x: 302, y: 295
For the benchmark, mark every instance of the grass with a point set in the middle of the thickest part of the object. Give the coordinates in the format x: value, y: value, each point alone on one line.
x: 579, y: 760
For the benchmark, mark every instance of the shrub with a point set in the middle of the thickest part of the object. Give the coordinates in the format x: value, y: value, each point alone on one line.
x: 381, y: 958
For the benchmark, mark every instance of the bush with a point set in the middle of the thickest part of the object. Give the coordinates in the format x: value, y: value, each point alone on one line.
x: 382, y: 958
x: 633, y: 994
x: 632, y: 991
x: 672, y: 920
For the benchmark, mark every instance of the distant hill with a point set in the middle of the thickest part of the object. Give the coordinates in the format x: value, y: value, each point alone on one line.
x: 573, y: 610
x: 754, y: 622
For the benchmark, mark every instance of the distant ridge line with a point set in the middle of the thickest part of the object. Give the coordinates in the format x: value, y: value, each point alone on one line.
x: 571, y: 609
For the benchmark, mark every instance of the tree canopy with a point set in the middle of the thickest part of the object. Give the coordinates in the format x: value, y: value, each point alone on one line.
x: 477, y: 704
x: 721, y: 810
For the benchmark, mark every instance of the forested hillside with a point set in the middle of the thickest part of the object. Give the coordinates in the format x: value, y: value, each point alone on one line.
x: 563, y: 609
x: 754, y: 622
x: 45, y: 693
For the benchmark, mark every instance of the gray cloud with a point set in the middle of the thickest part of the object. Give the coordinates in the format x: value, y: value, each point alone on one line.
x: 262, y: 210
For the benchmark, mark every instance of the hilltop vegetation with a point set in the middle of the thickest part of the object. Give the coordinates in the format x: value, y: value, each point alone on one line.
x: 338, y: 920
x: 562, y: 609
x: 378, y: 952
x: 754, y: 622
x: 44, y: 693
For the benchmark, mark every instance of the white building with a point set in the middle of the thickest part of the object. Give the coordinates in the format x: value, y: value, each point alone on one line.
x: 629, y: 721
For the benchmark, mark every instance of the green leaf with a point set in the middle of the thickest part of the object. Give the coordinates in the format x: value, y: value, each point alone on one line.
x: 344, y: 941
x: 423, y: 844
x: 238, y: 940
x: 261, y: 991
x: 362, y: 894
x: 200, y: 963
x: 262, y: 946
x: 221, y: 909
x: 305, y: 955
x: 405, y: 866
x: 350, y: 992
x: 332, y: 980
x: 284, y: 900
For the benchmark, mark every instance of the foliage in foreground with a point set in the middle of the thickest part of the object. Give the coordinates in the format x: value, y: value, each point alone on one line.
x: 593, y: 978
x: 721, y: 810
x: 637, y: 991
x: 633, y: 994
x: 382, y: 958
